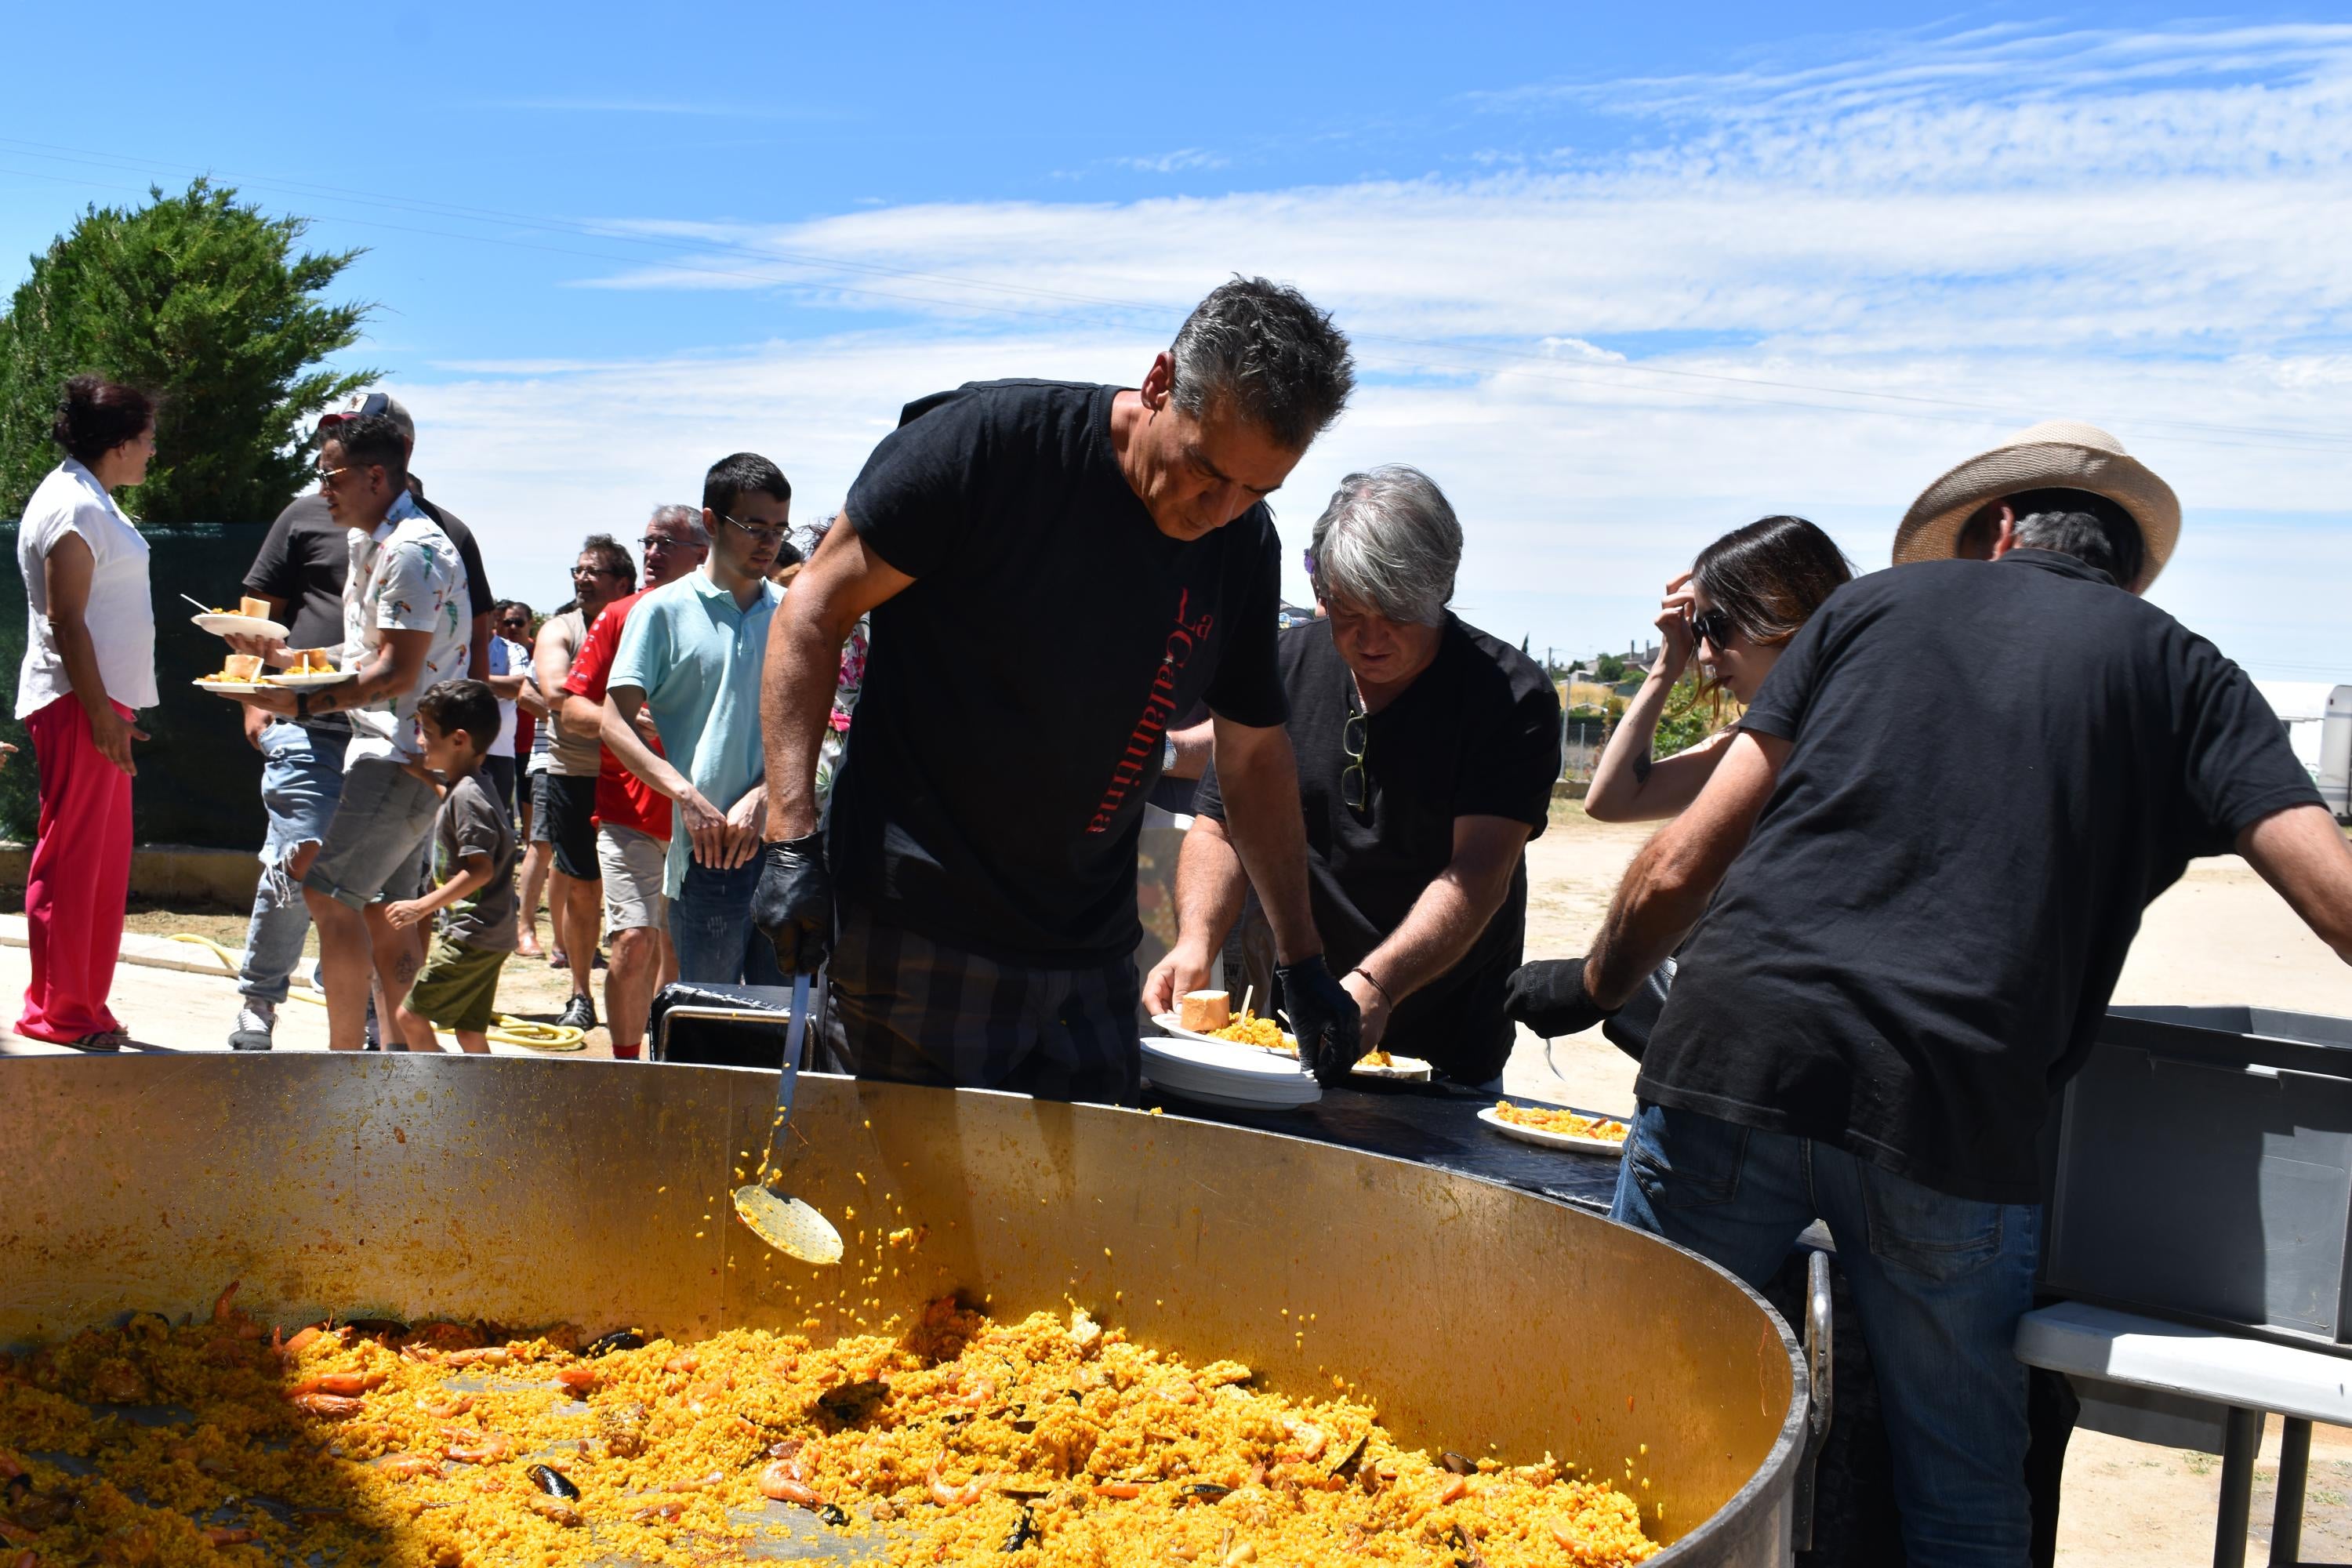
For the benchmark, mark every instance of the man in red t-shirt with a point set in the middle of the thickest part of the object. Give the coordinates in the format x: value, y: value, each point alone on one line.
x: 632, y: 817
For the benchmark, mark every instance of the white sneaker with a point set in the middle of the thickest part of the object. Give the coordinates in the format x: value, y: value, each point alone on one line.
x: 255, y: 1022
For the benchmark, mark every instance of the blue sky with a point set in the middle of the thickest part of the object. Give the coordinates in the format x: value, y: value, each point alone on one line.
x: 1621, y: 278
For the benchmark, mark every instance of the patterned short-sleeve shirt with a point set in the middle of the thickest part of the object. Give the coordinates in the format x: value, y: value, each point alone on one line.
x: 405, y: 576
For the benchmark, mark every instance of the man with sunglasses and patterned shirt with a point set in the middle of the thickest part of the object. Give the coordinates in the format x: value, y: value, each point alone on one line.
x: 691, y: 654
x: 1427, y: 750
x: 299, y: 572
x: 405, y: 627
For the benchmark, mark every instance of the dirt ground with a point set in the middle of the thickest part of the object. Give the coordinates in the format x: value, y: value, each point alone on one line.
x: 2219, y: 936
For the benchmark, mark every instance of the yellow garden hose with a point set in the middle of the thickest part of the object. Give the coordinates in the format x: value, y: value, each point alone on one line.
x: 509, y: 1031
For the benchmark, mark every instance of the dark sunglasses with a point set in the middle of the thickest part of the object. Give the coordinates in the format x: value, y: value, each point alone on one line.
x: 1713, y: 626
x: 1355, y: 738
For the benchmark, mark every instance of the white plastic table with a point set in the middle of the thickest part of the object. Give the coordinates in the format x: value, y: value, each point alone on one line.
x: 2250, y: 1378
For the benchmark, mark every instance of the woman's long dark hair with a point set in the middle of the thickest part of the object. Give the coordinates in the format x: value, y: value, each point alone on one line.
x: 1768, y: 578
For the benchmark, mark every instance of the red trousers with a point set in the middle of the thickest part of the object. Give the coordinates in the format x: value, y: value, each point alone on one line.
x: 79, y: 881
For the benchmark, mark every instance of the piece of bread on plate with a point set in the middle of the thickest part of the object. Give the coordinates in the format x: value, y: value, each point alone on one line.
x: 258, y: 608
x: 1204, y: 1012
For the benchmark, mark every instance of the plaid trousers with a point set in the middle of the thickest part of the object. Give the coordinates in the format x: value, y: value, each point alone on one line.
x: 903, y: 1007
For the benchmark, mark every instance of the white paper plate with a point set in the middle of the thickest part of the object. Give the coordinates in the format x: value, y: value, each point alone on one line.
x: 229, y: 625
x: 1552, y: 1140
x: 309, y: 682
x: 1401, y: 1069
x: 1231, y: 1101
x: 226, y: 687
x: 1227, y: 1074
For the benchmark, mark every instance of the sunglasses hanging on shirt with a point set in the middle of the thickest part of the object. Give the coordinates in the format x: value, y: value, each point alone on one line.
x: 1355, y: 738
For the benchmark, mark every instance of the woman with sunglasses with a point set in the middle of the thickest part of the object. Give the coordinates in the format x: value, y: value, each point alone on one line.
x: 1745, y: 597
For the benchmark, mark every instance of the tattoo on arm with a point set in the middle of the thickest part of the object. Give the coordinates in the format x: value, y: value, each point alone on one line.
x: 1642, y: 766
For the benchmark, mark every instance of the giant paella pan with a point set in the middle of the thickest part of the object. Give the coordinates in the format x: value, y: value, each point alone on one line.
x: 497, y: 1310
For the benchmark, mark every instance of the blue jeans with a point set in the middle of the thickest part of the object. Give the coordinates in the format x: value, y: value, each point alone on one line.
x: 710, y: 926
x: 1939, y: 1284
x: 301, y: 780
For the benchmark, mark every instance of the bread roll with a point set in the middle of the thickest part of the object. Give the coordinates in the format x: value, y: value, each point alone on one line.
x: 258, y: 608
x: 1203, y: 1011
x: 242, y: 666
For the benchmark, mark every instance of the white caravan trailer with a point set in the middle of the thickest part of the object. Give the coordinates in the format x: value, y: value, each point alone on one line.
x: 2318, y: 720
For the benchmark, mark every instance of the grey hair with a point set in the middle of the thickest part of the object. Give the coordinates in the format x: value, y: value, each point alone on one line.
x: 1269, y: 354
x: 686, y: 520
x: 1387, y: 543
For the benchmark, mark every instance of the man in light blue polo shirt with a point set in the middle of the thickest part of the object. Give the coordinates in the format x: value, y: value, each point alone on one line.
x: 691, y: 653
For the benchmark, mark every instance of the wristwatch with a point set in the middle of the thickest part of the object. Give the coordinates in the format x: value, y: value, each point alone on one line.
x: 1168, y: 753
x: 301, y: 706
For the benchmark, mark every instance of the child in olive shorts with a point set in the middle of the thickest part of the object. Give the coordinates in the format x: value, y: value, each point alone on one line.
x: 474, y: 862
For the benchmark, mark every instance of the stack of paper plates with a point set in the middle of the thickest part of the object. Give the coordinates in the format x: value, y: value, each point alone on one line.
x: 1215, y: 1072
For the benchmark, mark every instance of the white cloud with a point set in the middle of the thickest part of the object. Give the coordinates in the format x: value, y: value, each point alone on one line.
x: 1818, y: 287
x: 1184, y: 160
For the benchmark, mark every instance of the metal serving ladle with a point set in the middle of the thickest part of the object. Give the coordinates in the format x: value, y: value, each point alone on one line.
x: 781, y: 1220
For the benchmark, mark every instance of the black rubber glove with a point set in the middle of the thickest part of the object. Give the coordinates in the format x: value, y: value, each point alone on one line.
x: 1550, y: 998
x: 793, y: 902
x: 1330, y: 1026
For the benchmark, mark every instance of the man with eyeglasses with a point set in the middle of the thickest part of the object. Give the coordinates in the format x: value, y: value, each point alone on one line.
x: 632, y: 818
x: 300, y: 571
x: 565, y: 795
x: 405, y: 628
x: 691, y: 656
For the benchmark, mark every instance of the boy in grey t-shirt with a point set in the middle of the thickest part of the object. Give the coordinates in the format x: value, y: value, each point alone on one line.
x: 474, y: 859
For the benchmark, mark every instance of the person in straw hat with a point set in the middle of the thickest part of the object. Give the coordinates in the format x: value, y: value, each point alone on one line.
x: 1920, y: 863
x: 2057, y: 467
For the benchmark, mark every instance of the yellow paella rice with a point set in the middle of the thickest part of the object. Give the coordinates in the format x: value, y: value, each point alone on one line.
x: 1551, y: 1118
x: 1049, y: 1440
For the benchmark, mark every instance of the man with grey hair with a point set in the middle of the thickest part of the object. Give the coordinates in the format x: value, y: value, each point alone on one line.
x: 632, y: 818
x: 1427, y: 750
x: 1055, y: 571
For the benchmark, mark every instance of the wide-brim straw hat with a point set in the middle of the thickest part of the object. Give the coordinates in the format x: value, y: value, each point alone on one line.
x: 2056, y: 453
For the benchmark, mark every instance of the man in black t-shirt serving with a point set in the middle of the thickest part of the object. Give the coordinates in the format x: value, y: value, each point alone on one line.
x: 1927, y: 848
x: 1427, y: 755
x: 1056, y: 573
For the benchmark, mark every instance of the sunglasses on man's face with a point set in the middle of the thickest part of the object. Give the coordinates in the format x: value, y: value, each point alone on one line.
x: 1712, y: 626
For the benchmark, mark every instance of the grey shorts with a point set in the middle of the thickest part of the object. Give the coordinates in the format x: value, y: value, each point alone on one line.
x: 375, y: 843
x: 633, y: 863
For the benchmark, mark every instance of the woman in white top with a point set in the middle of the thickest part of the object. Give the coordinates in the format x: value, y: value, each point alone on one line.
x: 89, y: 661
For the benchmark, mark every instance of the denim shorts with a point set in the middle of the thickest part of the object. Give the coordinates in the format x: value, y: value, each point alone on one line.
x: 301, y: 780
x: 375, y: 847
